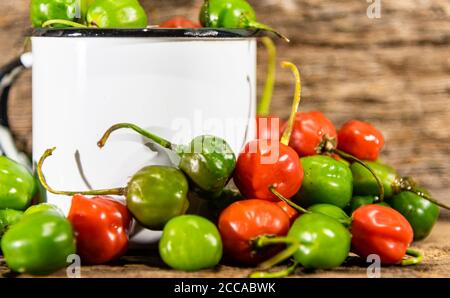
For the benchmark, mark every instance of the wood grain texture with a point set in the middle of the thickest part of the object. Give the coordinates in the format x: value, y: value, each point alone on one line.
x: 393, y: 71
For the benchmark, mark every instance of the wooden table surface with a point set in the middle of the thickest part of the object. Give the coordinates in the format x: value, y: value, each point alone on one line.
x: 147, y: 264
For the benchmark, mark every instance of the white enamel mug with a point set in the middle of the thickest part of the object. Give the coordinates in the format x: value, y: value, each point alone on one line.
x: 176, y: 83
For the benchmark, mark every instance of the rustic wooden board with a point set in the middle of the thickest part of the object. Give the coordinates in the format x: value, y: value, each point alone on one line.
x: 393, y: 71
x: 146, y: 264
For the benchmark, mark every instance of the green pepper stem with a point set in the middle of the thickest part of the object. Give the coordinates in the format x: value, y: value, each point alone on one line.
x: 280, y: 257
x: 289, y: 202
x: 416, y: 257
x: 282, y: 273
x: 264, y: 105
x: 285, y: 138
x: 408, y: 184
x: 160, y: 141
x: 113, y: 191
x: 50, y: 23
x: 352, y: 158
x: 258, y: 25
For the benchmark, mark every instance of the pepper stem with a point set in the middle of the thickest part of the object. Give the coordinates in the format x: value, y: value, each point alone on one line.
x: 280, y: 257
x: 68, y: 23
x: 295, y: 103
x: 160, y: 141
x: 416, y: 257
x: 289, y: 202
x: 113, y: 191
x: 408, y: 184
x: 352, y: 158
x: 258, y: 25
x: 264, y: 104
x: 282, y: 273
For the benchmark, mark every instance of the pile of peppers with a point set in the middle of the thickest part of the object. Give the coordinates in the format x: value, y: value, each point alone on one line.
x: 302, y: 193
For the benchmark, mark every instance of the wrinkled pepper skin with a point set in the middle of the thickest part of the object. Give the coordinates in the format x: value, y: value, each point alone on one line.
x: 380, y: 230
x: 156, y: 194
x: 225, y: 13
x: 117, y: 14
x: 311, y: 129
x: 244, y: 221
x: 44, y: 10
x: 420, y: 213
x: 326, y: 181
x: 9, y: 217
x: 359, y: 201
x: 360, y: 139
x: 266, y: 163
x: 101, y: 226
x: 39, y: 244
x: 190, y: 243
x: 17, y: 185
x: 291, y: 212
x: 364, y: 184
x: 209, y: 163
x: 324, y: 242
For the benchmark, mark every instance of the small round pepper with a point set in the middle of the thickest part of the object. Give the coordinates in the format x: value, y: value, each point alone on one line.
x: 190, y: 243
x: 116, y: 14
x: 265, y: 164
x: 39, y: 244
x: 179, y: 22
x: 44, y: 10
x: 380, y: 230
x: 360, y: 139
x: 359, y: 201
x: 208, y: 161
x: 231, y: 14
x: 420, y: 213
x: 154, y: 194
x: 364, y: 183
x: 9, y: 217
x: 326, y: 181
x: 243, y: 221
x: 17, y: 185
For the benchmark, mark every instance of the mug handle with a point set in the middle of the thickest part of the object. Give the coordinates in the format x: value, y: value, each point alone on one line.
x: 8, y: 75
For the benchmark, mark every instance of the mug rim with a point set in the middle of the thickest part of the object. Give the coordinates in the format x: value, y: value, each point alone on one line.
x: 210, y: 33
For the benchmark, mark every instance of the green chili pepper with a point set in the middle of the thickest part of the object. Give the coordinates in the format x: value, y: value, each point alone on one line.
x: 44, y: 207
x: 44, y: 10
x: 190, y: 243
x: 38, y: 244
x: 17, y: 185
x: 326, y: 180
x: 117, y: 14
x: 154, y: 195
x: 208, y: 161
x: 364, y: 183
x: 359, y: 201
x: 231, y: 14
x: 315, y: 240
x: 9, y: 217
x: 420, y: 213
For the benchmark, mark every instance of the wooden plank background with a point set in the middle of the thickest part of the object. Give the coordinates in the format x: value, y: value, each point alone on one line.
x: 393, y: 71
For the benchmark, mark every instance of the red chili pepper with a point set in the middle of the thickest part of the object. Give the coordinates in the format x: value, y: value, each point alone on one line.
x: 311, y: 131
x: 179, y: 22
x: 100, y: 225
x: 244, y: 221
x: 291, y: 212
x: 269, y: 163
x: 382, y: 231
x: 360, y: 139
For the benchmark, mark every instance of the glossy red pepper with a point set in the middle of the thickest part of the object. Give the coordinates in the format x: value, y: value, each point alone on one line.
x: 100, y: 225
x: 311, y: 131
x: 380, y: 230
x: 179, y: 22
x: 243, y: 221
x: 264, y: 164
x: 360, y: 139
